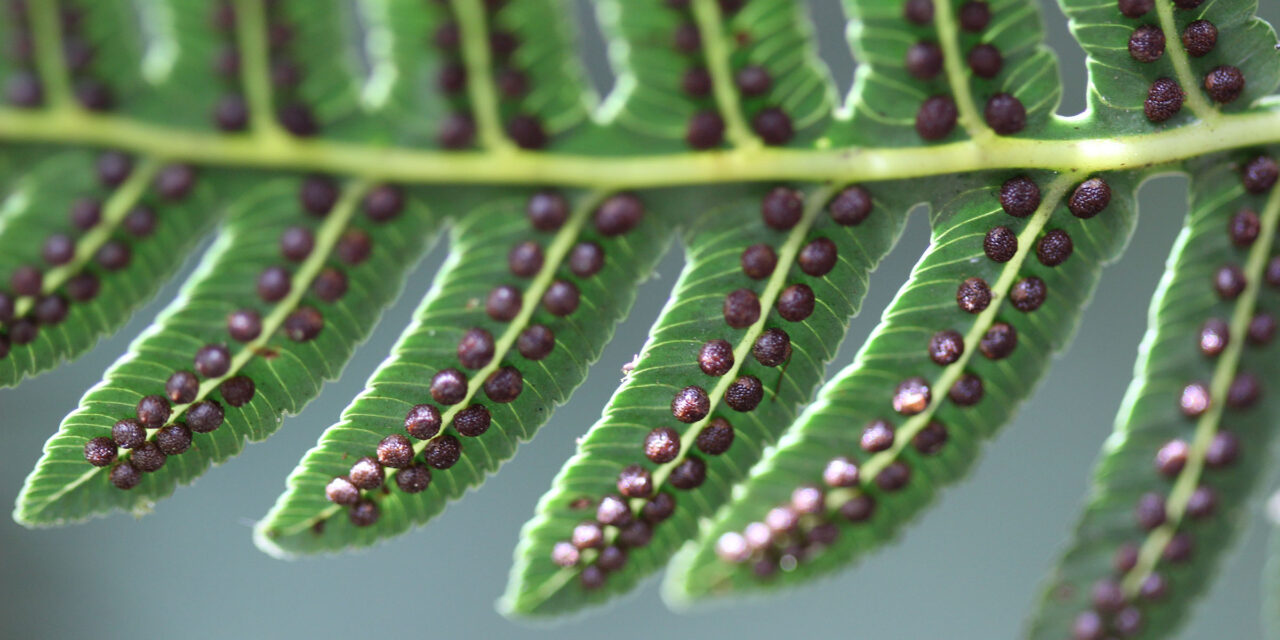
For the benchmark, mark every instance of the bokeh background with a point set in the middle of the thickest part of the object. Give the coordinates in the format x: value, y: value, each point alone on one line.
x: 969, y: 569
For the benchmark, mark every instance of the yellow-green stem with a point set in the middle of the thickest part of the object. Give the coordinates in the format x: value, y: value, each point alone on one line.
x: 255, y: 74
x: 474, y: 29
x: 710, y: 22
x: 1187, y: 79
x: 953, y: 62
x: 51, y: 64
x: 1086, y: 155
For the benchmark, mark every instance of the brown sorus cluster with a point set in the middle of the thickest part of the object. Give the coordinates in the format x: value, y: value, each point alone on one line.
x: 1020, y: 196
x: 52, y: 300
x: 231, y: 112
x: 1164, y: 100
x: 457, y: 130
x: 165, y: 423
x: 936, y: 118
x: 924, y: 60
x: 1147, y: 44
x: 1028, y: 294
x: 782, y: 209
x: 23, y: 87
x: 706, y: 126
x: 152, y: 412
x: 1224, y: 84
x: 304, y: 324
x: 938, y: 114
x: 477, y: 352
x: 1000, y: 244
x: 800, y: 528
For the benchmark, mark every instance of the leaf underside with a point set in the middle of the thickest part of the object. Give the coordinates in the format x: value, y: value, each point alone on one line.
x: 833, y: 425
x: 305, y: 521
x: 38, y: 204
x: 669, y: 363
x: 299, y: 129
x: 286, y: 373
x: 1170, y: 359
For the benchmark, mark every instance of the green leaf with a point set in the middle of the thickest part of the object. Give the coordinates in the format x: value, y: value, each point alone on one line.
x: 1119, y: 84
x: 898, y: 351
x: 352, y: 89
x: 84, y: 53
x: 286, y: 372
x: 887, y: 96
x: 408, y: 78
x: 17, y: 161
x: 558, y: 96
x: 669, y: 362
x: 40, y: 205
x: 325, y: 45
x: 654, y: 105
x: 304, y: 520
x: 1169, y: 360
x: 113, y: 33
x: 541, y: 78
x: 189, y: 65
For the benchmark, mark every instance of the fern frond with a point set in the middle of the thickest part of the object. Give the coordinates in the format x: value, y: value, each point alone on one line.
x: 1169, y: 491
x: 499, y: 342
x: 704, y: 347
x: 961, y: 345
x: 275, y: 309
x: 85, y: 239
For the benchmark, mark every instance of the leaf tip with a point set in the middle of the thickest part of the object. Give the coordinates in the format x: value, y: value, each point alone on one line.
x: 25, y: 517
x: 526, y: 600
x: 35, y: 515
x: 506, y: 606
x: 697, y: 577
x: 27, y: 510
x: 514, y: 604
x: 676, y: 590
x: 265, y: 539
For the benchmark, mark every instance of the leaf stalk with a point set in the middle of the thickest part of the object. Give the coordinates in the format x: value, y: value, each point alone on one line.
x: 1064, y: 149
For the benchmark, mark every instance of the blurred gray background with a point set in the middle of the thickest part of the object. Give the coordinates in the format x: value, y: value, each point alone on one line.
x: 970, y: 568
